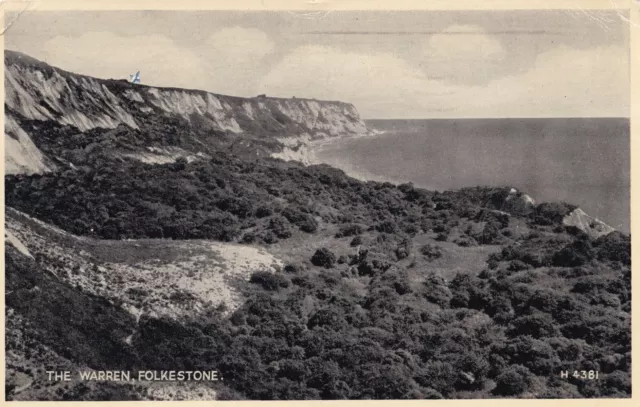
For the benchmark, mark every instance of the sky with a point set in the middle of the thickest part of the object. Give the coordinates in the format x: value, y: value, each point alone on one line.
x: 401, y: 64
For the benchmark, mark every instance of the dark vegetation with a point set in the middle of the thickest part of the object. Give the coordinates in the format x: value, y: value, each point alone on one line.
x: 552, y: 299
x: 227, y: 198
x: 79, y: 324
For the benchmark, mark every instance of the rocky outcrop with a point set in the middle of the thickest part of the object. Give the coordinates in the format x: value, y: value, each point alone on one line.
x: 517, y: 202
x: 588, y: 224
x: 36, y: 91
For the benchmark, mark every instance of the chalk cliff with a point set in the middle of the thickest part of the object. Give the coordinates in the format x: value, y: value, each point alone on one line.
x: 150, y: 116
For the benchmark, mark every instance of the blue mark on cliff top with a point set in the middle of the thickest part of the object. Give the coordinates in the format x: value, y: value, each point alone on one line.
x: 135, y: 78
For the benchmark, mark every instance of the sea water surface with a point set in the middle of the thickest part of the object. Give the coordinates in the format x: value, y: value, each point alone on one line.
x: 584, y: 161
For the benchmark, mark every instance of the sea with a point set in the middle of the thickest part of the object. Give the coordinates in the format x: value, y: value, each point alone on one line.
x: 583, y: 161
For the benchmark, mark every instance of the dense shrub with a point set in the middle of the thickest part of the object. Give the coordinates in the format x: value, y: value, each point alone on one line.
x: 304, y: 221
x: 575, y: 254
x: 387, y: 227
x: 518, y: 265
x: 269, y: 280
x: 615, y: 247
x: 323, y: 257
x: 551, y: 213
x: 349, y: 230
x: 538, y: 325
x: 280, y: 227
x: 465, y: 241
x: 514, y: 381
x: 431, y: 251
x: 404, y: 248
x: 372, y: 263
x: 436, y: 290
x: 292, y: 268
x: 442, y: 237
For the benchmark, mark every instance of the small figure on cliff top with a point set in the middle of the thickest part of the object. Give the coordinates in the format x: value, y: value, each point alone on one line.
x: 135, y: 78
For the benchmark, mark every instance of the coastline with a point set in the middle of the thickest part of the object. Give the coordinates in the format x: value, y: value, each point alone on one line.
x: 309, y: 154
x: 304, y: 149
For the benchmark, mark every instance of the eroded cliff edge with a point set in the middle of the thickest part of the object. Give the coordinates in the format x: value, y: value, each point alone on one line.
x: 46, y: 106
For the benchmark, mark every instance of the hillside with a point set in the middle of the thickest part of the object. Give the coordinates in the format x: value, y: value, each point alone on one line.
x: 153, y: 244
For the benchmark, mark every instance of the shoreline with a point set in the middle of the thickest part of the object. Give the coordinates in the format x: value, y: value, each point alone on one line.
x: 314, y: 147
x: 305, y: 151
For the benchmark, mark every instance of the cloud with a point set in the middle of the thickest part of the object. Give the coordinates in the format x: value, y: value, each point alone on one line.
x: 564, y: 82
x: 107, y: 55
x: 226, y: 62
x: 373, y: 82
x: 466, y: 40
x: 462, y: 54
x: 234, y: 57
x: 241, y: 43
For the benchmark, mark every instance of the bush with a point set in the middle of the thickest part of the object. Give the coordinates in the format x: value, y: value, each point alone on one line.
x: 269, y: 281
x: 537, y: 325
x: 387, y: 227
x: 431, y: 252
x: 436, y: 290
x: 551, y: 213
x: 442, y: 237
x: 356, y: 241
x: 292, y: 268
x: 513, y: 381
x: 403, y: 250
x: 618, y: 381
x: 309, y: 225
x: 280, y: 227
x: 248, y: 238
x: 490, y: 234
x: 324, y: 258
x: 614, y: 247
x: 263, y: 212
x: 373, y: 263
x: 518, y: 265
x: 574, y: 254
x: 465, y: 241
x: 349, y: 230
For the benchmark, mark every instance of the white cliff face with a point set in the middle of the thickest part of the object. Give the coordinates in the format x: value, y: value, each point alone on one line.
x: 77, y: 101
x: 186, y: 103
x: 334, y: 119
x: 321, y: 119
x: 36, y: 91
x: 88, y: 103
x: 21, y: 155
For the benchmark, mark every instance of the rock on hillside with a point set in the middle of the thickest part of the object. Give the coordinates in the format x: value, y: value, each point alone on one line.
x: 590, y: 225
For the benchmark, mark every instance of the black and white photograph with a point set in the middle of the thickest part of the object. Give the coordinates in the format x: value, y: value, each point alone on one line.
x: 317, y: 204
